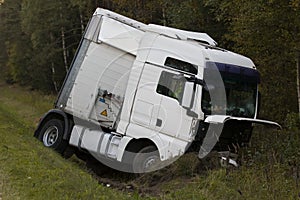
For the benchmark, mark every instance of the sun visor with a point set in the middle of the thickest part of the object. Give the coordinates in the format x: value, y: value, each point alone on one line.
x: 247, y: 73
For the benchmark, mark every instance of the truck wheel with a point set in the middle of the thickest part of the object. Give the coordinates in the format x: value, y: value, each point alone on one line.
x: 51, y: 135
x: 146, y: 160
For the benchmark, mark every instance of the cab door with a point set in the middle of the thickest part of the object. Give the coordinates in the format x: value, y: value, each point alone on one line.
x: 157, y: 105
x: 172, y: 117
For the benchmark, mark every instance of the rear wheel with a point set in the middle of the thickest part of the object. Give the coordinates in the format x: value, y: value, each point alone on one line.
x: 51, y: 135
x: 146, y: 160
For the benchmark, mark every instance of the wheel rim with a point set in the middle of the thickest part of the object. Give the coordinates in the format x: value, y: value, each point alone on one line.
x: 149, y: 163
x: 50, y: 137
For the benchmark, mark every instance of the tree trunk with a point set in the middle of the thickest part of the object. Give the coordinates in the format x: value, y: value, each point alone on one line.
x: 81, y: 22
x: 64, y: 48
x: 298, y: 79
x: 63, y: 41
x: 53, y: 66
x: 164, y: 17
x: 53, y: 77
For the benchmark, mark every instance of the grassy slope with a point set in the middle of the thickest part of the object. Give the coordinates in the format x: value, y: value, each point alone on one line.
x: 27, y: 169
x: 30, y: 171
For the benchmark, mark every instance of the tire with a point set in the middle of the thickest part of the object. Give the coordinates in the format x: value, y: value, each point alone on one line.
x: 146, y: 160
x: 51, y: 135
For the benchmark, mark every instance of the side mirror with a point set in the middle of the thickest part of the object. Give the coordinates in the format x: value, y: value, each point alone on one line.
x: 188, y: 99
x: 187, y: 95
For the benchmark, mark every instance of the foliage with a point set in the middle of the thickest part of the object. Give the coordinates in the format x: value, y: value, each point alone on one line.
x: 195, y: 16
x: 142, y: 10
x: 33, y: 34
x: 32, y: 54
x: 292, y: 121
x: 268, y: 32
x: 40, y: 38
x: 11, y: 39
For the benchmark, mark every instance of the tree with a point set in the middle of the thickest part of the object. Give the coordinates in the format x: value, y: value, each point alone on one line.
x: 150, y: 11
x: 86, y: 8
x: 53, y: 37
x: 195, y: 15
x: 3, y: 53
x: 14, y: 54
x: 268, y: 32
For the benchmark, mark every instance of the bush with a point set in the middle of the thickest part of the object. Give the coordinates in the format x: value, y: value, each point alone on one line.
x: 292, y: 121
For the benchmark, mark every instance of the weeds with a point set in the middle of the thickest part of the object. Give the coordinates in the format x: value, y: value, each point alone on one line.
x: 30, y: 171
x: 269, y: 166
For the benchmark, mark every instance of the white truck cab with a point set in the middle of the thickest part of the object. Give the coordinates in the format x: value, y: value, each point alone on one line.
x: 137, y: 94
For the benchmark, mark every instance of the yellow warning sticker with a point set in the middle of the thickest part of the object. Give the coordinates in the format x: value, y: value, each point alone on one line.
x: 104, y: 113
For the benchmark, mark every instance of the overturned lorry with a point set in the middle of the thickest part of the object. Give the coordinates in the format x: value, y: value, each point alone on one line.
x: 138, y: 94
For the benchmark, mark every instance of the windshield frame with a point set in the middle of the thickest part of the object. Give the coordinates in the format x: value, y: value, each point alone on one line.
x: 243, y: 80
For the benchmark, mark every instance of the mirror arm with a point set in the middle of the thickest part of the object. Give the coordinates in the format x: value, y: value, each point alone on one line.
x: 193, y: 96
x: 196, y: 80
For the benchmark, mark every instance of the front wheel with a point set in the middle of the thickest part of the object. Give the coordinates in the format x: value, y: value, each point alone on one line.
x: 51, y: 135
x: 146, y: 160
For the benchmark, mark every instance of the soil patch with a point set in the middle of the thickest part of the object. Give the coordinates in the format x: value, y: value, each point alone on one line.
x: 153, y: 184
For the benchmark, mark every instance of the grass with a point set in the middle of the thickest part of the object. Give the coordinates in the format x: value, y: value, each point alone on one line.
x: 270, y: 167
x: 30, y: 171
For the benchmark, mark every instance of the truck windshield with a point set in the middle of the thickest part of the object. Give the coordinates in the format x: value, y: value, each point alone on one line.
x: 240, y: 86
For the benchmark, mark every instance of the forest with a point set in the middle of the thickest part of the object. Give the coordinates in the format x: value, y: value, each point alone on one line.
x: 39, y: 39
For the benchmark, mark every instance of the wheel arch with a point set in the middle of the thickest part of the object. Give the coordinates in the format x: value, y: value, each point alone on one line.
x: 56, y: 114
x: 135, y: 145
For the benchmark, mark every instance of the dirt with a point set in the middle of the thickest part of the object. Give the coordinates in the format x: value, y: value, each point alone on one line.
x: 154, y: 183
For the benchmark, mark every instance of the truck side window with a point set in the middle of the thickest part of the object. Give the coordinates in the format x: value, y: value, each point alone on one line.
x: 170, y: 86
x: 181, y: 65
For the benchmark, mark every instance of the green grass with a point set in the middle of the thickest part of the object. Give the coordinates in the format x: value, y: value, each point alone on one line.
x: 239, y: 184
x: 270, y: 168
x: 30, y: 171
